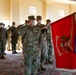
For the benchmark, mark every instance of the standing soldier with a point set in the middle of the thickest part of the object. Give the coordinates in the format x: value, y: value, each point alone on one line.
x: 22, y: 25
x: 31, y: 46
x: 3, y: 37
x: 44, y: 44
x: 19, y: 44
x: 49, y: 44
x: 14, y: 37
x: 9, y: 38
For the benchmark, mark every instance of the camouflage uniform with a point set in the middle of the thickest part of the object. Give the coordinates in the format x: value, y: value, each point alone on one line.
x: 3, y: 38
x: 14, y: 37
x: 43, y: 43
x: 8, y: 40
x: 49, y: 44
x: 31, y: 48
x: 19, y: 45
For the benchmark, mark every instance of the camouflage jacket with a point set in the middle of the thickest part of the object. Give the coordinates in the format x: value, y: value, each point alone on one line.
x: 3, y: 34
x: 31, y: 38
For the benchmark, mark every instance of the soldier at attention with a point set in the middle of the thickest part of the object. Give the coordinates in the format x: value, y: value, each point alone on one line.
x: 3, y: 38
x: 44, y: 43
x: 31, y: 46
x: 49, y: 43
x: 14, y: 37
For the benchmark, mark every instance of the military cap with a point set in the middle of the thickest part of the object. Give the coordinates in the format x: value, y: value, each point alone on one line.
x: 1, y: 23
x: 31, y: 17
x: 38, y: 17
x: 48, y: 20
x: 13, y: 23
x: 26, y: 21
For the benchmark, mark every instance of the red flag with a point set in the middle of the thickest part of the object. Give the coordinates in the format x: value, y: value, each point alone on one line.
x: 63, y: 35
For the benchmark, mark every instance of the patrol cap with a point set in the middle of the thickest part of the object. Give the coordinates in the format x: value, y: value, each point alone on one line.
x: 1, y: 23
x: 38, y: 17
x: 13, y: 23
x: 31, y: 17
x: 48, y: 20
x: 26, y: 21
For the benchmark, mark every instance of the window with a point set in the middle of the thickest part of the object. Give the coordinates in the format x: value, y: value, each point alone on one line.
x: 32, y: 10
x: 61, y: 13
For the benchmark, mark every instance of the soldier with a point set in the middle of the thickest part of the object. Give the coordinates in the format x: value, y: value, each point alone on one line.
x: 49, y: 44
x: 3, y: 25
x: 9, y: 38
x: 31, y: 46
x: 3, y: 37
x: 19, y: 44
x: 22, y: 25
x: 14, y: 37
x: 27, y: 24
x: 43, y: 55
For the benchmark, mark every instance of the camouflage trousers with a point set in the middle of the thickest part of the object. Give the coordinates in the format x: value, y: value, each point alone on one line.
x: 49, y: 50
x: 2, y: 48
x: 19, y: 43
x: 43, y: 54
x: 31, y: 61
x: 46, y: 52
x: 9, y: 44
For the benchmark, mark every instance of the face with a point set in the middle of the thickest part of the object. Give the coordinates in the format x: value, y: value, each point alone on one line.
x: 32, y: 22
x: 39, y: 21
x: 48, y: 22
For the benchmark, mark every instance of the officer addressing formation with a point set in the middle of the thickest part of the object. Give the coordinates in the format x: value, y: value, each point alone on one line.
x: 36, y: 43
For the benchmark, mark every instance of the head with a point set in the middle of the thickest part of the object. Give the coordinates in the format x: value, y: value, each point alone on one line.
x: 31, y: 20
x: 9, y: 26
x: 26, y: 22
x: 3, y: 25
x: 13, y: 23
x: 38, y: 19
x: 48, y: 21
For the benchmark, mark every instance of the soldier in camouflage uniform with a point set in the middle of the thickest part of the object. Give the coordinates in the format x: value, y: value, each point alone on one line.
x: 19, y: 44
x: 6, y: 37
x: 49, y: 44
x: 3, y: 38
x: 20, y: 27
x: 14, y: 37
x: 44, y: 43
x: 31, y: 46
x: 9, y: 38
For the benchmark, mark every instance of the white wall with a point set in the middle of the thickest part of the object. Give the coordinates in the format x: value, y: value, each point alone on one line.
x: 73, y: 8
x: 18, y: 10
x: 5, y: 10
x: 15, y: 11
x: 52, y: 10
x: 24, y: 8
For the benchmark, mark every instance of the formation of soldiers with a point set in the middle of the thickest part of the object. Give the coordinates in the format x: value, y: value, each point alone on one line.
x: 36, y: 43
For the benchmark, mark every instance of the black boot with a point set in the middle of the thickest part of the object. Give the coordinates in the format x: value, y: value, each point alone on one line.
x: 49, y: 61
x: 5, y: 54
x: 14, y: 52
x: 2, y: 57
x: 46, y: 62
